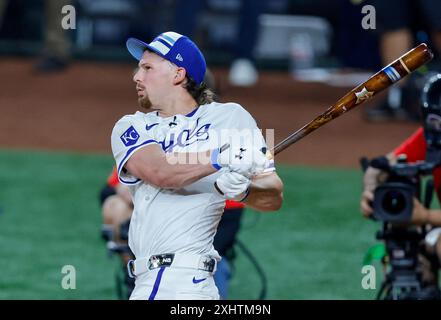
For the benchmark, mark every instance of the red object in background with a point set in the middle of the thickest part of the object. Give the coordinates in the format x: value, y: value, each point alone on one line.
x: 229, y: 204
x: 112, y: 181
x: 415, y: 148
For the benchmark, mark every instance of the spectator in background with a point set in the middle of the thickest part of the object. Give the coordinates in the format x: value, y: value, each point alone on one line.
x: 55, y: 55
x: 3, y: 5
x: 57, y: 45
x: 356, y: 47
x: 116, y: 210
x: 116, y: 205
x: 398, y: 24
x: 243, y: 71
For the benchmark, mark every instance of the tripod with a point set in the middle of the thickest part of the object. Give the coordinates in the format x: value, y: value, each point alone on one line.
x: 404, y: 280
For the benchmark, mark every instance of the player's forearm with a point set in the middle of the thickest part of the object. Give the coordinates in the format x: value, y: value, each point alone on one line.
x: 179, y: 176
x: 171, y: 171
x: 182, y: 169
x: 266, y: 193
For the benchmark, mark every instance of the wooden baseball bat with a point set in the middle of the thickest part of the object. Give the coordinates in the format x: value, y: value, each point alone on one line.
x: 407, y: 63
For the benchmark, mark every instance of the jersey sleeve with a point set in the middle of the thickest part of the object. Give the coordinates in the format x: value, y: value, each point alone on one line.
x: 128, y: 136
x: 243, y: 121
x: 413, y: 147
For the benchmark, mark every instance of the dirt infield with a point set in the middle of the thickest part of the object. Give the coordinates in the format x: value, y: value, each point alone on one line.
x: 76, y: 110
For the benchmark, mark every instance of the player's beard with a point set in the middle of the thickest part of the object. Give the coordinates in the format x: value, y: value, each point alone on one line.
x: 144, y: 102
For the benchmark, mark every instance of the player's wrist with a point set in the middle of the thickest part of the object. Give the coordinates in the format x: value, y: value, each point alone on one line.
x: 244, y: 195
x: 233, y: 186
x: 241, y: 197
x: 246, y: 160
x: 214, y: 159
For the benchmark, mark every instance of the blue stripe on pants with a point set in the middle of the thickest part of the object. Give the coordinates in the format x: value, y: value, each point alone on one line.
x: 156, y: 285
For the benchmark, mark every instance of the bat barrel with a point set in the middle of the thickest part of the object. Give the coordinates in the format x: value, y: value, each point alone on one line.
x: 383, y: 79
x: 417, y: 57
x: 407, y: 63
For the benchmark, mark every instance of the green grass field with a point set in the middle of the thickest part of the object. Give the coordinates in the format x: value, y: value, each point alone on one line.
x: 313, y: 248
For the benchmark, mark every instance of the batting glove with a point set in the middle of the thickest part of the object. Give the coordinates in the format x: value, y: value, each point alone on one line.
x: 247, y: 161
x: 233, y: 186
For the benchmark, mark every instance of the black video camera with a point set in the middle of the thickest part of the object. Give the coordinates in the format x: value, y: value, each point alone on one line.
x: 393, y: 200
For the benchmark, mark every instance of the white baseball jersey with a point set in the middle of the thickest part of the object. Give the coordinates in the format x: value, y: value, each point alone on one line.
x: 183, y: 220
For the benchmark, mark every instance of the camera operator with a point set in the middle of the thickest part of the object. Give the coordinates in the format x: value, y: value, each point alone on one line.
x: 421, y: 153
x: 414, y: 148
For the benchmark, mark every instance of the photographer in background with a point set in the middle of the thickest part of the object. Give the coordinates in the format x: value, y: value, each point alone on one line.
x: 414, y: 148
x: 423, y: 145
x: 116, y: 209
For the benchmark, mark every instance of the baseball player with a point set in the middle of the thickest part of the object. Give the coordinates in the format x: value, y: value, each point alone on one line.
x: 181, y: 161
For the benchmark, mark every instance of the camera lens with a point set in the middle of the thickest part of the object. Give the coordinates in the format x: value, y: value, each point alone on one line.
x: 394, y: 202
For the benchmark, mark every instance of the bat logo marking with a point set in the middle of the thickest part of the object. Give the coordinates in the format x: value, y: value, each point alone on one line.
x: 363, y: 95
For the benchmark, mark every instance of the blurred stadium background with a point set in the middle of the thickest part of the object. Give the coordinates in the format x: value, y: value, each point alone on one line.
x: 55, y: 145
